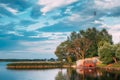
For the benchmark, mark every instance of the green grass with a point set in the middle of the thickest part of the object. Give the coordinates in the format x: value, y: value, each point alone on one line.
x: 116, y: 65
x: 101, y: 65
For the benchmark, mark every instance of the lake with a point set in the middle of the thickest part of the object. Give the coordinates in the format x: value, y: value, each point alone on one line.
x: 55, y: 74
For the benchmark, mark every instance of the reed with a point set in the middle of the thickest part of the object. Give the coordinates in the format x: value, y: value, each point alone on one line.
x: 36, y: 65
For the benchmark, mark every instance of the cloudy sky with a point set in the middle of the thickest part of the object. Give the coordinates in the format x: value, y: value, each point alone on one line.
x: 33, y: 28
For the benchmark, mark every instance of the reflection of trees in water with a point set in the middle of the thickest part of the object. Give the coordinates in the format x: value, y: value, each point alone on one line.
x: 97, y: 75
x: 109, y: 76
x: 60, y: 76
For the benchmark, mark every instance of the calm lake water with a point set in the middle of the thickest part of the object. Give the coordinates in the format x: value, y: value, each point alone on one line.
x: 55, y: 74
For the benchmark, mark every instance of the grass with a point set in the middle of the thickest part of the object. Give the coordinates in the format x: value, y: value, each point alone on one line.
x: 101, y: 65
x: 33, y: 63
x: 116, y: 65
x: 113, y: 68
x: 36, y: 65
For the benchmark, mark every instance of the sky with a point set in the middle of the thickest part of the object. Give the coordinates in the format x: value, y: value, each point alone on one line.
x: 32, y: 29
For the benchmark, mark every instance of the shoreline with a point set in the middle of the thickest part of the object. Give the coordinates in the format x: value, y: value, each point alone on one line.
x: 36, y: 65
x: 50, y: 65
x: 109, y: 68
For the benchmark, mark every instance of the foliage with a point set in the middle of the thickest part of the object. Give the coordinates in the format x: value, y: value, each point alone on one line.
x: 81, y: 46
x: 60, y: 50
x: 109, y: 52
x: 101, y: 65
x: 84, y: 43
x: 118, y: 51
x: 60, y: 76
x: 105, y: 53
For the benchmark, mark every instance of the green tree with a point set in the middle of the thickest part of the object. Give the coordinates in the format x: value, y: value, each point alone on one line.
x: 91, y: 34
x: 65, y: 51
x: 60, y: 51
x: 81, y: 47
x: 95, y: 37
x: 105, y: 53
x: 108, y: 53
x: 118, y: 51
x: 84, y: 43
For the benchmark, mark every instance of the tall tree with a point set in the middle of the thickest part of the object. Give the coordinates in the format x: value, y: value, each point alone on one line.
x: 81, y: 46
x: 60, y: 51
x: 84, y: 43
x: 117, y: 55
x: 95, y: 36
x: 107, y: 53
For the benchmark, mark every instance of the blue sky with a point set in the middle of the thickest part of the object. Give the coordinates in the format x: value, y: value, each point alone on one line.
x: 33, y: 28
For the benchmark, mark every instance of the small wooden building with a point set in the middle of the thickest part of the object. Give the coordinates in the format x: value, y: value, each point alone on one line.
x: 87, y: 63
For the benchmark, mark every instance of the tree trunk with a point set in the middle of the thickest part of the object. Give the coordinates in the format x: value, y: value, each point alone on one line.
x: 77, y: 56
x: 83, y: 57
x: 115, y: 60
x: 83, y: 54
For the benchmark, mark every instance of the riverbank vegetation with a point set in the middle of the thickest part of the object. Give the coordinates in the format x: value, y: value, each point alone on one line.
x: 19, y: 60
x: 36, y: 65
x: 89, y: 43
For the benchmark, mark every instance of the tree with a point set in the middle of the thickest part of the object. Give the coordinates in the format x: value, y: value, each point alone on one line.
x: 60, y: 51
x: 91, y: 34
x: 108, y: 53
x: 95, y: 37
x: 118, y: 51
x: 84, y: 43
x: 105, y: 53
x: 65, y: 51
x: 81, y: 46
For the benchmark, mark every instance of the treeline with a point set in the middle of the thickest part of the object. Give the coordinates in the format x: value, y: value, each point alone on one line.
x: 82, y: 44
x: 14, y: 60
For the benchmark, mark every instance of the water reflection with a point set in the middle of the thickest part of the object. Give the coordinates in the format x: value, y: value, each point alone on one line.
x: 89, y: 72
x: 60, y: 76
x: 93, y: 74
x: 56, y: 74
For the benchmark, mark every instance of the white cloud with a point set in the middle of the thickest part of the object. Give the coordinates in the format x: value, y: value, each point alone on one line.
x: 52, y: 35
x: 41, y: 46
x: 13, y: 11
x: 14, y: 33
x: 46, y: 46
x: 79, y: 19
x: 74, y: 17
x: 112, y: 24
x: 42, y: 24
x: 107, y: 4
x: 35, y: 26
x: 114, y: 31
x: 52, y: 4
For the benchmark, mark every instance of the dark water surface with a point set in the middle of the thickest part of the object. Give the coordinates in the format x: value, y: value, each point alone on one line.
x: 55, y: 74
